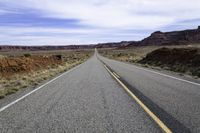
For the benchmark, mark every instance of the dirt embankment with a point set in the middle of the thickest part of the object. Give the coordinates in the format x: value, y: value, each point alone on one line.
x: 22, y: 71
x: 186, y: 60
x: 14, y: 65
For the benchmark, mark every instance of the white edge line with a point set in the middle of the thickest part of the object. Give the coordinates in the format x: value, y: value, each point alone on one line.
x: 21, y: 98
x: 165, y: 75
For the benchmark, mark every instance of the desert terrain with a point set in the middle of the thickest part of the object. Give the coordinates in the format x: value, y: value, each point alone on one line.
x: 183, y: 59
x: 23, y: 69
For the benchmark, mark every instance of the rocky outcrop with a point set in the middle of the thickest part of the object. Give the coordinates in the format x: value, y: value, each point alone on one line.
x: 173, y: 38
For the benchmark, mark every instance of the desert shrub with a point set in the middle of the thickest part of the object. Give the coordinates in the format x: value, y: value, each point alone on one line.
x: 196, y: 72
x: 27, y: 55
x: 58, y: 57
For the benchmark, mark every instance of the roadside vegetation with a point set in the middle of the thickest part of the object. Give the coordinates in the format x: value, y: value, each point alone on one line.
x: 132, y: 54
x: 25, y: 69
x: 181, y: 59
x: 1, y: 56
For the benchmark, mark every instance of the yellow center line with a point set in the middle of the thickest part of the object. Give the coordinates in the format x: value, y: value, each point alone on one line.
x: 146, y: 109
x: 116, y: 75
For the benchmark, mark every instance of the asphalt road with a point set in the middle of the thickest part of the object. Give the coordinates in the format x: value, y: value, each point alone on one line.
x: 86, y: 99
x: 175, y: 101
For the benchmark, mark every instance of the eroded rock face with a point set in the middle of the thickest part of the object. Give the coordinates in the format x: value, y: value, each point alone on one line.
x: 173, y: 38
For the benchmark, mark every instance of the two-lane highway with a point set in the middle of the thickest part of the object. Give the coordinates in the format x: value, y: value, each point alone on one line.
x: 174, y: 100
x: 86, y: 99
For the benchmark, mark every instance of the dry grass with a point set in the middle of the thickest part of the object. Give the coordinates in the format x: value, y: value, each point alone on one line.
x: 127, y: 55
x: 136, y: 54
x: 10, y: 85
x: 1, y: 56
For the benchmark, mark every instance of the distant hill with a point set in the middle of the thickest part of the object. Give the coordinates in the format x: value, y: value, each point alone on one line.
x: 157, y: 38
x: 67, y: 47
x: 37, y: 48
x: 113, y: 45
x: 171, y: 38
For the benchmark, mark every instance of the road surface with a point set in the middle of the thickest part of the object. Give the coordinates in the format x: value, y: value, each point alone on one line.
x: 88, y: 99
x: 174, y: 100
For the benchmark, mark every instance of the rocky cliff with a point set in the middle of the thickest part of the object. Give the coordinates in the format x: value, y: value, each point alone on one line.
x: 171, y: 38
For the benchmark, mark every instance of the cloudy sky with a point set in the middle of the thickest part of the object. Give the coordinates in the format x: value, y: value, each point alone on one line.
x: 61, y: 22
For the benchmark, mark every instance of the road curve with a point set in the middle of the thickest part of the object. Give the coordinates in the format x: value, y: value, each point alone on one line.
x: 175, y: 101
x: 85, y: 100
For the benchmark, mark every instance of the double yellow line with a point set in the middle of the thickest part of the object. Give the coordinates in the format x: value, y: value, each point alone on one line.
x: 146, y: 109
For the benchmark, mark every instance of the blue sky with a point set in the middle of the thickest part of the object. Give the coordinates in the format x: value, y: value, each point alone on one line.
x: 63, y: 22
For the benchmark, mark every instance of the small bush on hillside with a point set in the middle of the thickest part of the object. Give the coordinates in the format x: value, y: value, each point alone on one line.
x: 27, y: 55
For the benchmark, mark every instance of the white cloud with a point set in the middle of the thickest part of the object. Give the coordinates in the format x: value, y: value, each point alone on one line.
x: 54, y: 36
x: 108, y: 17
x: 117, y: 13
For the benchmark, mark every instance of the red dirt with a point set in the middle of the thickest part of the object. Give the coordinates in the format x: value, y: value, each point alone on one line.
x: 13, y: 65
